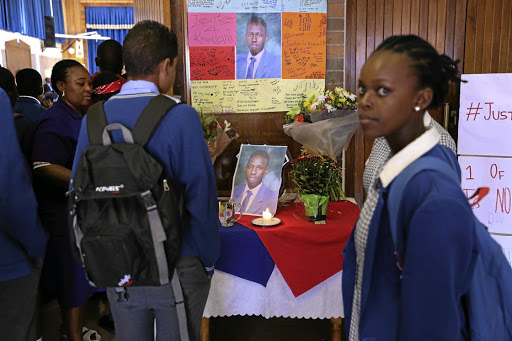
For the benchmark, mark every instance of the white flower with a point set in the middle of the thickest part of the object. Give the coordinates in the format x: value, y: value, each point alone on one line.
x: 321, y: 99
x: 226, y: 126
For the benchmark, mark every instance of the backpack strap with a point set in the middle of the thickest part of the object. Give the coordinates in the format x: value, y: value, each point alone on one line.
x: 396, y: 191
x: 180, y: 306
x: 150, y: 118
x: 96, y: 123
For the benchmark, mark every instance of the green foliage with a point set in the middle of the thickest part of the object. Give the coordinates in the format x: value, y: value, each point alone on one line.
x: 317, y: 174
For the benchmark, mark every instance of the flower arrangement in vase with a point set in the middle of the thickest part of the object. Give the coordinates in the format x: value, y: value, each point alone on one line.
x: 318, y: 178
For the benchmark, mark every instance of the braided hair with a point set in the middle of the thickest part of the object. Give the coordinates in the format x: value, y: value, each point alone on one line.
x: 60, y: 72
x: 434, y: 70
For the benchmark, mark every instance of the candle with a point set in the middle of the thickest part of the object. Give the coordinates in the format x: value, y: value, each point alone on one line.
x: 267, y: 216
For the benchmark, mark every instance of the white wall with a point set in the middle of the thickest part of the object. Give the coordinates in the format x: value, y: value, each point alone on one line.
x: 52, y: 53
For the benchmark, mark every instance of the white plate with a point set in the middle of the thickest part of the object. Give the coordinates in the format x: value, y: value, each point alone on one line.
x: 273, y: 222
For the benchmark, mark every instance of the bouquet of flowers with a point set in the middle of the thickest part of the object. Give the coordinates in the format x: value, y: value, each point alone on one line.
x: 330, y: 101
x: 324, y: 123
x: 218, y: 134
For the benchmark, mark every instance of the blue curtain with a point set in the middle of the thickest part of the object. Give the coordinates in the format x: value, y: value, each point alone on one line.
x: 3, y: 24
x: 112, y: 16
x: 27, y: 16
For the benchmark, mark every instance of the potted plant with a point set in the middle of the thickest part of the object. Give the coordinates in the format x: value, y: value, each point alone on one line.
x: 318, y: 179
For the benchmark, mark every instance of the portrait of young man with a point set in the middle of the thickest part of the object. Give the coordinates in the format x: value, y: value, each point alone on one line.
x: 259, y: 46
x: 258, y: 178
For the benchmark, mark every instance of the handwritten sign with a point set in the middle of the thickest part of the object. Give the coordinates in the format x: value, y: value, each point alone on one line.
x: 304, y: 45
x: 495, y: 210
x: 252, y: 95
x: 485, y: 115
x: 316, y: 6
x: 208, y: 63
x: 216, y: 32
x: 211, y: 29
x: 238, y: 6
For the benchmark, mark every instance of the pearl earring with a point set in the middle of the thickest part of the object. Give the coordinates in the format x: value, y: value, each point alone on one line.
x: 417, y: 108
x: 64, y: 94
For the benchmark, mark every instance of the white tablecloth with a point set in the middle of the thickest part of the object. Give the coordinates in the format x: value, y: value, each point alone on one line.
x: 231, y: 295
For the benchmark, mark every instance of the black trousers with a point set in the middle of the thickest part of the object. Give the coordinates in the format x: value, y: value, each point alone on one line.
x: 18, y: 299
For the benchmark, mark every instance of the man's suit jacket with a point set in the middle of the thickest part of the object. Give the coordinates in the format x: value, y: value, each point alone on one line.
x: 269, y: 66
x: 266, y: 198
x: 30, y: 108
x: 49, y: 93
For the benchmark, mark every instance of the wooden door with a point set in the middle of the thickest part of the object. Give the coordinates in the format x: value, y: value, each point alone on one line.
x: 17, y: 55
x: 369, y: 22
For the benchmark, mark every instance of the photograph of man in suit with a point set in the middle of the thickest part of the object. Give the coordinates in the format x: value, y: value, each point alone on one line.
x: 257, y: 62
x: 254, y: 196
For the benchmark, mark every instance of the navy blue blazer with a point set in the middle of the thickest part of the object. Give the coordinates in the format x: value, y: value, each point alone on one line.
x: 266, y: 198
x: 22, y: 238
x: 269, y: 66
x: 30, y: 108
x: 440, y: 244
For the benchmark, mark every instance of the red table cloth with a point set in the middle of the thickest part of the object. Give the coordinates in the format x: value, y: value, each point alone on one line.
x: 305, y: 253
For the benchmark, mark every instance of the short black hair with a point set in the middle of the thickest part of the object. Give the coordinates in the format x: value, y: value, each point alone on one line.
x: 7, y: 83
x: 29, y: 82
x: 60, y: 72
x: 433, y: 70
x: 146, y: 45
x: 257, y: 20
x: 260, y: 152
x: 110, y: 56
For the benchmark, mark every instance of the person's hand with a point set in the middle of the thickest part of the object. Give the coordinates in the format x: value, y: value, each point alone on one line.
x: 47, y: 103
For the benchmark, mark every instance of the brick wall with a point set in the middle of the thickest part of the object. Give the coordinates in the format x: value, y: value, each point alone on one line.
x: 335, y: 44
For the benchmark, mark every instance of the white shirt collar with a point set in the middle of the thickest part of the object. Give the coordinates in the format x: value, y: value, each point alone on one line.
x: 254, y: 190
x: 427, y: 119
x: 257, y: 57
x: 25, y: 96
x: 408, y: 155
x: 137, y: 87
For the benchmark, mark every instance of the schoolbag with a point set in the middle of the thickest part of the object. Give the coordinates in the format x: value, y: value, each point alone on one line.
x: 125, y: 215
x: 488, y: 303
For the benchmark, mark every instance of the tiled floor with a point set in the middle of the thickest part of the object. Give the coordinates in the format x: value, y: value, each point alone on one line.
x: 236, y: 328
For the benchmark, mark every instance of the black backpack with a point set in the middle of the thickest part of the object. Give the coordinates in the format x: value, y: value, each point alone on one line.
x: 125, y: 216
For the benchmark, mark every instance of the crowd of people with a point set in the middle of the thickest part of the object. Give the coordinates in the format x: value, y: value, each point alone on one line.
x: 47, y: 119
x: 400, y: 81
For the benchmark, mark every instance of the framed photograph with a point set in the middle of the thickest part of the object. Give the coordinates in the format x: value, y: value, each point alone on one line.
x: 258, y: 177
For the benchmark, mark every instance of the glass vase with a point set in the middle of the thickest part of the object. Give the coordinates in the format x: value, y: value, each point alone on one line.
x: 315, y: 206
